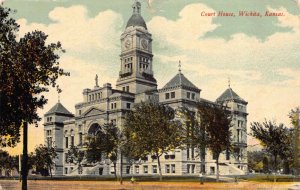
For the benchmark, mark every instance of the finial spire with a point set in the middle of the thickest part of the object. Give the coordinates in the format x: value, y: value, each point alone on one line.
x: 228, y: 82
x: 136, y: 7
x: 96, y: 81
x: 58, y: 93
x: 179, y: 66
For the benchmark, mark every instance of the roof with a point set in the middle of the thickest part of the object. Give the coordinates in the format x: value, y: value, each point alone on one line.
x: 179, y: 80
x: 136, y: 19
x: 229, y: 95
x: 58, y: 109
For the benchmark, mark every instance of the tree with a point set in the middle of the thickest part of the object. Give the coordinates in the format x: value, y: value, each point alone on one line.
x: 76, y: 156
x: 151, y: 129
x: 45, y: 156
x: 274, y: 138
x: 28, y: 67
x: 105, y: 145
x: 295, y: 118
x: 216, y: 122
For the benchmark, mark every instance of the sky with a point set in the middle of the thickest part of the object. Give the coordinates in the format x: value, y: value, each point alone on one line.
x: 260, y: 54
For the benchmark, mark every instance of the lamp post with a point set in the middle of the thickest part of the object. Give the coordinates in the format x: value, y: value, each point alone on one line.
x: 25, y: 156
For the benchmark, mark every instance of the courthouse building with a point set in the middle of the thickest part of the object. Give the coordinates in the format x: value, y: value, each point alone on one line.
x: 136, y: 82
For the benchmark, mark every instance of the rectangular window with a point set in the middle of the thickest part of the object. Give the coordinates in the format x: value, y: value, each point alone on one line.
x: 154, y: 169
x: 66, y: 170
x: 79, y: 112
x: 214, y: 157
x: 71, y: 169
x: 113, y: 121
x: 167, y: 96
x: 172, y: 94
x: 72, y: 140
x: 193, y: 168
x: 127, y: 88
x: 193, y: 96
x: 188, y: 95
x: 67, y: 142
x: 127, y: 169
x: 137, y: 169
x: 167, y: 168
x: 188, y: 168
x: 227, y: 155
x: 173, y: 168
x: 80, y: 139
x: 66, y: 157
x: 115, y: 105
x: 111, y: 106
x: 145, y: 169
x: 124, y: 88
x: 212, y: 170
x: 128, y: 105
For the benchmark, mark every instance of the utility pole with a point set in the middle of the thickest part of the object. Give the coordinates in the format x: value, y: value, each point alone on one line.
x: 25, y: 156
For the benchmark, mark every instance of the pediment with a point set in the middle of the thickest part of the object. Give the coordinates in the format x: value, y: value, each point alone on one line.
x: 93, y: 112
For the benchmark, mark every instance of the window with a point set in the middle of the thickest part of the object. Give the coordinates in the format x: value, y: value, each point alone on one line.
x: 172, y: 156
x: 137, y: 169
x: 79, y: 112
x: 167, y: 96
x: 214, y: 156
x: 227, y: 155
x: 193, y: 168
x: 128, y: 105
x: 127, y: 88
x: 188, y: 95
x: 167, y: 156
x: 115, y: 105
x: 188, y: 168
x: 90, y: 98
x: 172, y: 94
x: 67, y: 142
x: 173, y: 168
x: 66, y: 157
x: 66, y: 170
x: 154, y: 169
x: 145, y: 169
x: 71, y: 169
x: 127, y: 169
x: 80, y: 138
x: 212, y: 170
x: 49, y: 141
x: 124, y: 88
x: 240, y: 123
x: 72, y: 140
x: 167, y: 168
x: 100, y: 171
x: 193, y: 96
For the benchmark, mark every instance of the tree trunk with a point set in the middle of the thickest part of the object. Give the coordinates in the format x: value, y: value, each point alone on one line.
x: 25, y: 156
x: 275, y: 166
x: 217, y: 162
x: 202, y: 165
x: 121, y: 169
x: 115, y: 166
x: 50, y: 171
x: 159, y: 167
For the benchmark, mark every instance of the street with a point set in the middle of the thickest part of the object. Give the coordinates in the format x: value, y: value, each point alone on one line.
x: 109, y: 185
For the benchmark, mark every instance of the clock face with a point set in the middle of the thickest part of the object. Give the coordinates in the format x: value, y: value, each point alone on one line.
x: 144, y: 44
x: 127, y: 43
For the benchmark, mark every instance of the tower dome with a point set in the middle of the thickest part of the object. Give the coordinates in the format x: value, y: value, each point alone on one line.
x: 136, y: 19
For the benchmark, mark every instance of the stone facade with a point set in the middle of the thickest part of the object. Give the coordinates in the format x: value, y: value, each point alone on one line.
x: 136, y: 83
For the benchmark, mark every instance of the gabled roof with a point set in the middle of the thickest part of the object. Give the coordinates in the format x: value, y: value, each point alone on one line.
x: 58, y: 109
x: 179, y: 80
x: 230, y: 95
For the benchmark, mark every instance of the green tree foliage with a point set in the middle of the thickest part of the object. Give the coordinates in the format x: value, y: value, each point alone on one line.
x: 44, y: 158
x: 151, y: 129
x: 295, y: 118
x: 28, y: 66
x: 258, y: 161
x: 216, y: 122
x: 104, y: 145
x: 275, y: 138
x: 76, y: 156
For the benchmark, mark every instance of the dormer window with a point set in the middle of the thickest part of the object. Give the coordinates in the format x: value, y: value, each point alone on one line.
x: 193, y: 96
x: 167, y: 96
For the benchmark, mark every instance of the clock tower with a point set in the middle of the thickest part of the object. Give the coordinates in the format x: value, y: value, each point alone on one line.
x: 136, y: 74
